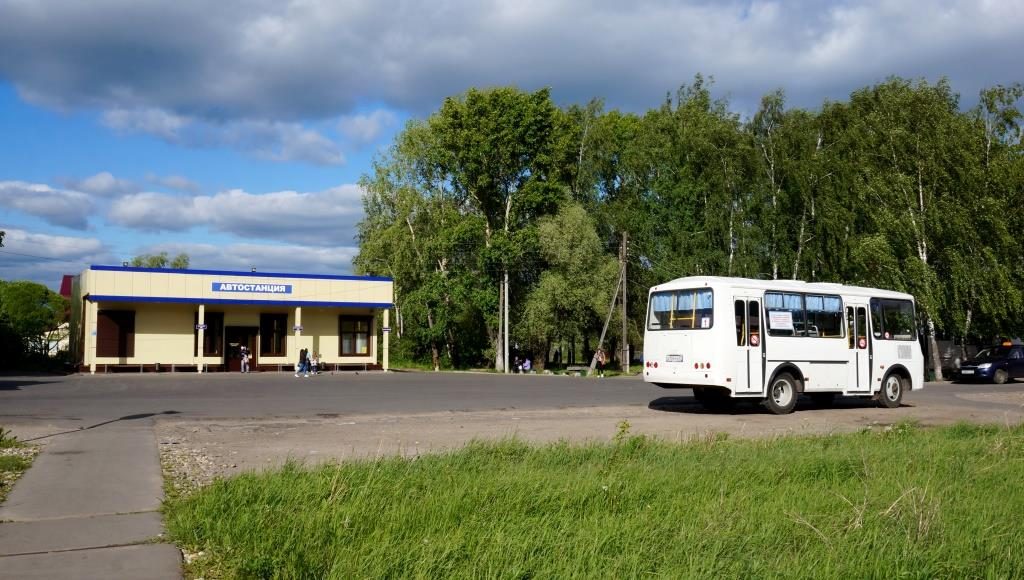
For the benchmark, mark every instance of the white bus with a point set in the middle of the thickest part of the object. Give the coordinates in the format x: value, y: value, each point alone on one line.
x: 771, y: 340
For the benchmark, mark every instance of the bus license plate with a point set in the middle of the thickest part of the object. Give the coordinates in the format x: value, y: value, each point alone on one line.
x: 967, y: 371
x: 674, y: 358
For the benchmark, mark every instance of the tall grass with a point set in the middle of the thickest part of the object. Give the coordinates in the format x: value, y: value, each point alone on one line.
x: 900, y: 502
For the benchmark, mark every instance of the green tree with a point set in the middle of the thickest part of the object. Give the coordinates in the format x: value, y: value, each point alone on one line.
x: 575, y: 286
x: 495, y: 148
x: 179, y: 262
x: 907, y: 142
x: 31, y: 310
x: 415, y: 232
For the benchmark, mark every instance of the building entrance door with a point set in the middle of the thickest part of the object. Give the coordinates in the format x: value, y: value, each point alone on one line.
x: 234, y: 338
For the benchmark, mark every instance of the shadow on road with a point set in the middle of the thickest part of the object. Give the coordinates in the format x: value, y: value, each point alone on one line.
x: 691, y: 406
x: 125, y: 418
x: 753, y: 407
x: 16, y: 384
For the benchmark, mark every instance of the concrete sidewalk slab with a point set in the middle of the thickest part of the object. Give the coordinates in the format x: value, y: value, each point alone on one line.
x: 112, y: 469
x: 146, y: 562
x: 20, y: 538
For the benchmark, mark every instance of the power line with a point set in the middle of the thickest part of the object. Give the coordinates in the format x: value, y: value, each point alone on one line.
x: 41, y: 257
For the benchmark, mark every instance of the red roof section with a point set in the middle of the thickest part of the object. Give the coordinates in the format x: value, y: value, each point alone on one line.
x: 65, y: 285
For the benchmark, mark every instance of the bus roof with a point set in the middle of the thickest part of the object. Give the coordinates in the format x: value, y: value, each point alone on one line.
x: 779, y: 285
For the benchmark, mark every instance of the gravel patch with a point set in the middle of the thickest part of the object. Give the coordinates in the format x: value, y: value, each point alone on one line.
x: 186, y: 468
x: 195, y: 453
x: 7, y: 478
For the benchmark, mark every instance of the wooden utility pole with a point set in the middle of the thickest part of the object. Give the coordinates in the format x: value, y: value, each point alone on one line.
x: 499, y: 359
x: 623, y: 253
x: 608, y: 319
x: 506, y: 323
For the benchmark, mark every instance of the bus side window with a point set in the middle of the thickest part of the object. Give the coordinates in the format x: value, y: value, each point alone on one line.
x: 862, y: 327
x: 876, y: 318
x: 741, y: 335
x: 754, y: 322
x: 850, y: 331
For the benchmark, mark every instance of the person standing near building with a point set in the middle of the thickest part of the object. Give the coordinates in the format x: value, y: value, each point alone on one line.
x: 303, y: 361
x: 244, y: 352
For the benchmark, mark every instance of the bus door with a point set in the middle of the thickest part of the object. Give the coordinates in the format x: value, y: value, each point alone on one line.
x: 858, y: 341
x: 749, y: 373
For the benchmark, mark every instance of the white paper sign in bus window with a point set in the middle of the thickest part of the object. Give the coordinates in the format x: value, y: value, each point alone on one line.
x: 780, y: 320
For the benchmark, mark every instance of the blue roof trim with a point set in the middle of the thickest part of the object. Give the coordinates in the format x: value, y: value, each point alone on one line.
x: 171, y: 300
x: 245, y: 274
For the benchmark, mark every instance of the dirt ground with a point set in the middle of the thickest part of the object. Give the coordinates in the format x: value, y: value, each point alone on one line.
x: 196, y: 452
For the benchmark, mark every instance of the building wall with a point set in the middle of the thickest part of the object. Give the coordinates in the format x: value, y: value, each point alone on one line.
x: 142, y: 283
x: 166, y: 305
x: 163, y: 333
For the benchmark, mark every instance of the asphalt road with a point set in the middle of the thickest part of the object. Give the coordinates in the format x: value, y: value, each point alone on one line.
x: 84, y: 400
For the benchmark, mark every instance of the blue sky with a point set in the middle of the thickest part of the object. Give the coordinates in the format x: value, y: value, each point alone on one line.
x: 237, y: 131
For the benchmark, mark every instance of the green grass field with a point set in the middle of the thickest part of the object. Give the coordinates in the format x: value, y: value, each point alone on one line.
x: 900, y: 502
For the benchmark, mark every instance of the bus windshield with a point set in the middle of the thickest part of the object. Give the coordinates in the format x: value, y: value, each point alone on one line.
x: 681, y: 309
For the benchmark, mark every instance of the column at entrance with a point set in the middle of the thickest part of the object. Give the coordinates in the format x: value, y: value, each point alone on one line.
x: 91, y: 314
x: 201, y: 326
x: 298, y: 333
x: 387, y: 335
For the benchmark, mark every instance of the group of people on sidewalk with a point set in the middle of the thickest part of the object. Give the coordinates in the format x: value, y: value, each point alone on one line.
x: 307, y: 363
x: 525, y: 366
x: 522, y: 365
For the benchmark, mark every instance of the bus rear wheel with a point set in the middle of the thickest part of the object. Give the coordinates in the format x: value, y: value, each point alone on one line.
x: 782, y: 394
x: 891, y: 394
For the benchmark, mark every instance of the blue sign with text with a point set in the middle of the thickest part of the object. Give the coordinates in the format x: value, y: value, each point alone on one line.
x: 260, y: 288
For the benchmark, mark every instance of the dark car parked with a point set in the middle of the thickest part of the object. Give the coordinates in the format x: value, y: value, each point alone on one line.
x: 997, y: 364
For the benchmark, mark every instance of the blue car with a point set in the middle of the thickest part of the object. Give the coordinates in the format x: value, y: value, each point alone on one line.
x: 997, y: 364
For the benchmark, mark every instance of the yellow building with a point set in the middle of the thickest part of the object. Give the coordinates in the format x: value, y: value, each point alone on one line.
x: 126, y: 318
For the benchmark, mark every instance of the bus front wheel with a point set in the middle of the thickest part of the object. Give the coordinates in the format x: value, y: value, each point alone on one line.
x: 892, y: 392
x: 782, y: 394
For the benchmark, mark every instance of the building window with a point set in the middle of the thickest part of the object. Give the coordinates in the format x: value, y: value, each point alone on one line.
x: 213, y: 336
x: 273, y: 334
x: 355, y: 335
x: 115, y: 333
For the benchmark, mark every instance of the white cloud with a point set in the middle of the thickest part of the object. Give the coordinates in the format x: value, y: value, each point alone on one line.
x: 270, y: 140
x: 264, y: 257
x: 153, y: 121
x: 174, y: 182
x: 152, y: 212
x: 367, y: 128
x: 59, y: 207
x: 46, y: 258
x: 103, y: 184
x: 318, y: 59
x: 323, y: 218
